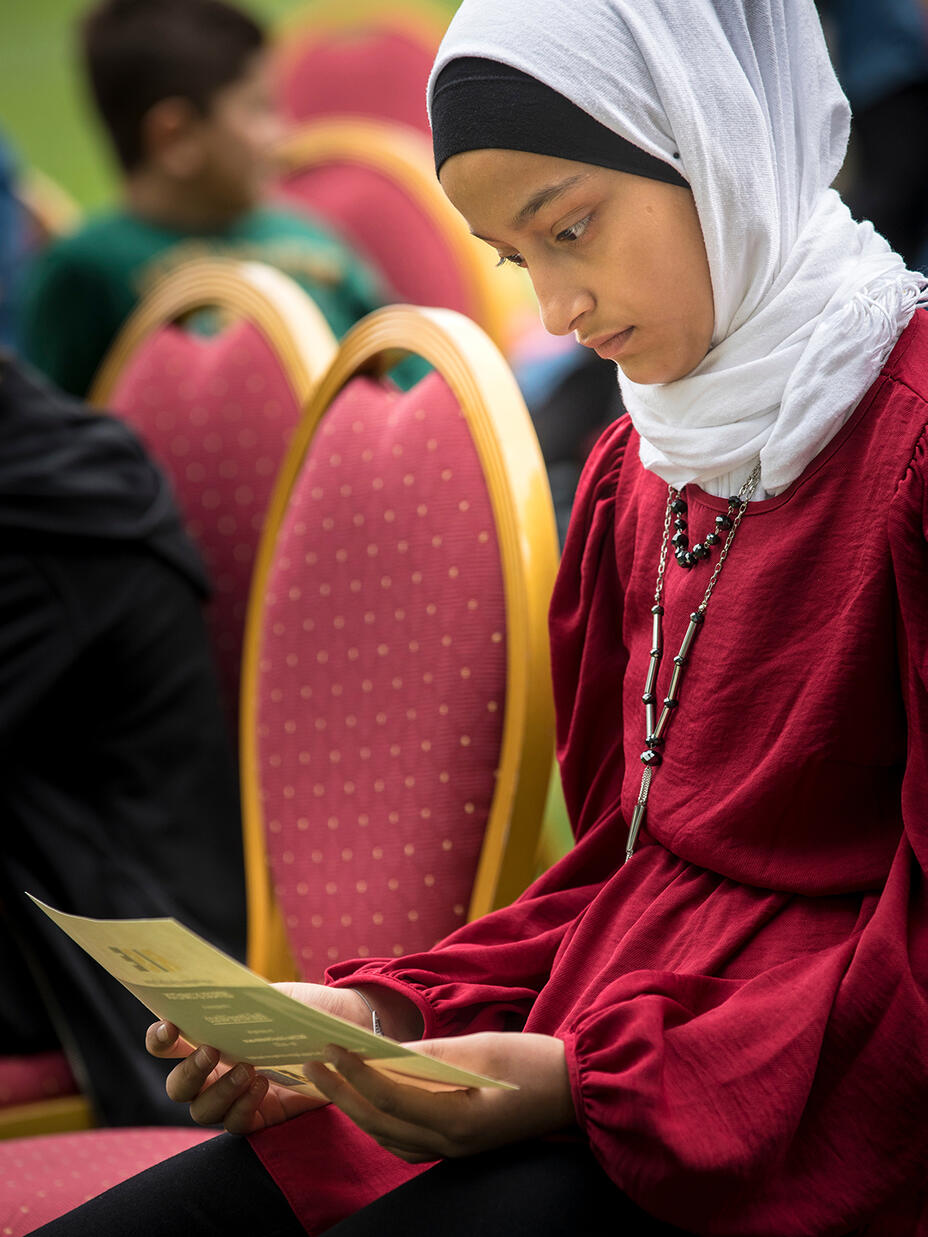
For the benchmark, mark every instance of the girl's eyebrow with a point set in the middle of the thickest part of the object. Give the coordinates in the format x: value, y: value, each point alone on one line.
x: 544, y: 196
x: 531, y: 208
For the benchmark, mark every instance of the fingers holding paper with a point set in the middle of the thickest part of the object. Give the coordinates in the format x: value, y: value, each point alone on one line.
x: 238, y: 1098
x: 419, y: 1125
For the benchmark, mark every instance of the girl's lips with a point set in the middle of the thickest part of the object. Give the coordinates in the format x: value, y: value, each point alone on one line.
x: 610, y: 347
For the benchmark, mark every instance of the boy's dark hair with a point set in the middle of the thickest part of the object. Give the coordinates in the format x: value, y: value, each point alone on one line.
x: 138, y: 52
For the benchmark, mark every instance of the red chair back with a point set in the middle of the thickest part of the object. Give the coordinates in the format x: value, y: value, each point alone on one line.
x: 381, y: 666
x: 375, y: 184
x: 376, y: 71
x: 217, y: 411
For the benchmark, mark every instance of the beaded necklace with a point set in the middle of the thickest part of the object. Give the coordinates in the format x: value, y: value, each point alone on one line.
x: 656, y: 726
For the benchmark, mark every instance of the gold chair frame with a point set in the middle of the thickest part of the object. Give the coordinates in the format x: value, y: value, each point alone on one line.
x: 498, y: 294
x: 278, y: 307
x: 521, y: 502
x: 60, y: 1115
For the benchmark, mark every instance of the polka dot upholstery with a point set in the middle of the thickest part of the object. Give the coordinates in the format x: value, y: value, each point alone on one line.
x: 39, y: 1076
x: 378, y: 216
x: 218, y: 413
x: 369, y: 72
x: 42, y: 1178
x: 381, y: 678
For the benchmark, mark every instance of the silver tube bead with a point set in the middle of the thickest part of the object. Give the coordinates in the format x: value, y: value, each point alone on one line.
x: 661, y: 726
x: 656, y: 641
x: 649, y: 720
x: 651, y: 678
x: 688, y: 638
x: 675, y: 682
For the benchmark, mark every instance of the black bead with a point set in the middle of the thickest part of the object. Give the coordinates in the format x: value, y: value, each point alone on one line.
x: 723, y: 521
x: 651, y: 758
x: 711, y: 539
x: 678, y: 505
x: 687, y: 561
x: 700, y: 550
x: 734, y: 501
x: 680, y: 540
x: 679, y: 661
x: 648, y: 698
x: 680, y: 523
x: 697, y: 617
x: 653, y: 741
x: 657, y: 609
x: 670, y: 703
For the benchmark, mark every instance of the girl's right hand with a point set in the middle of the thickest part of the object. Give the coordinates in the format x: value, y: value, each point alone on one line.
x: 239, y: 1098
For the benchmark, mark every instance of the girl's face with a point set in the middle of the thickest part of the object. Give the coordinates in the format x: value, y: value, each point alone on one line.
x: 617, y: 259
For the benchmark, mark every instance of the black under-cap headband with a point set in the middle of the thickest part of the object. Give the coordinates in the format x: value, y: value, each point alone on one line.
x: 480, y: 104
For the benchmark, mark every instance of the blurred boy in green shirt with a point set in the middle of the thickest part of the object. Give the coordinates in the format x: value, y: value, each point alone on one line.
x: 183, y: 88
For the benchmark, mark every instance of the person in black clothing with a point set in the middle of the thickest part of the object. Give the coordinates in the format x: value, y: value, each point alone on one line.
x: 117, y: 780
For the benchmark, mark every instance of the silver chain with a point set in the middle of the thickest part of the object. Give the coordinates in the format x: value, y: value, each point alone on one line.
x: 744, y: 497
x: 665, y: 542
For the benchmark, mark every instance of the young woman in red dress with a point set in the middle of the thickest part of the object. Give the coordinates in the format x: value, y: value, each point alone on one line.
x: 716, y: 1006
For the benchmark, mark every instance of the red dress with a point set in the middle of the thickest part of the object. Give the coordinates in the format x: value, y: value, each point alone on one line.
x: 745, y: 1004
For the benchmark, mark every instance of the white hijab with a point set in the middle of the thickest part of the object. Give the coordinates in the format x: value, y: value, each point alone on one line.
x: 740, y: 97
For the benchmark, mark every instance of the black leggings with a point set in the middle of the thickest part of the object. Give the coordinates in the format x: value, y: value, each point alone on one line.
x: 534, y: 1189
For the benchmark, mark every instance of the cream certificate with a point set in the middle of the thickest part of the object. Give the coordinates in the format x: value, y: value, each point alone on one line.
x: 215, y: 1000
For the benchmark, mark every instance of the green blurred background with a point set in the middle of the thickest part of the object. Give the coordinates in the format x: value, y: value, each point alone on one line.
x: 44, y: 111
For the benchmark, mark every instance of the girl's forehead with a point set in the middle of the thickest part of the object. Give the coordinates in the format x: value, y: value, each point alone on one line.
x: 512, y: 170
x: 510, y: 187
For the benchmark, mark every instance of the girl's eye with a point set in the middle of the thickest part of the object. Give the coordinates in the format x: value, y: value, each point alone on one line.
x: 576, y: 230
x: 515, y: 258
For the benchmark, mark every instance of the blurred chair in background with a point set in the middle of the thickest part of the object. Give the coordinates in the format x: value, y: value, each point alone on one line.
x: 397, y: 719
x: 217, y: 410
x: 375, y: 184
x: 358, y: 59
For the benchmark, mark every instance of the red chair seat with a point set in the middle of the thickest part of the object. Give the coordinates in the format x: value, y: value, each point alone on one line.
x: 42, y: 1178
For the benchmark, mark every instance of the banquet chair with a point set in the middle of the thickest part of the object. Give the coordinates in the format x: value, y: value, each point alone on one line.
x: 212, y: 370
x: 397, y: 715
x: 362, y: 59
x: 397, y: 619
x: 374, y: 183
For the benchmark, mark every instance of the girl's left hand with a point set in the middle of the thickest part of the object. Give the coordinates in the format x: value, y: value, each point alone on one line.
x: 418, y: 1125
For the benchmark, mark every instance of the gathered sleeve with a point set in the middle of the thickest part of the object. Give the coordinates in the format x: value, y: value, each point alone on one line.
x: 793, y: 1100
x: 487, y: 975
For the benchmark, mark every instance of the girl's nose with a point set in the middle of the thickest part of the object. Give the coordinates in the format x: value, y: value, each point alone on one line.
x: 561, y: 303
